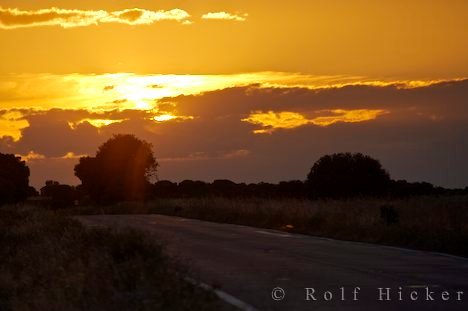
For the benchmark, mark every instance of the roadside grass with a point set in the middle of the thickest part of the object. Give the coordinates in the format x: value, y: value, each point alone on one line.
x: 434, y: 223
x: 52, y: 262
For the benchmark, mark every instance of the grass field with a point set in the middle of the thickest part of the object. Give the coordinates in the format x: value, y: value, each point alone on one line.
x: 436, y: 223
x: 51, y: 262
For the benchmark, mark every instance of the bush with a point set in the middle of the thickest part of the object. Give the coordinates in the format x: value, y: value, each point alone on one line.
x: 49, y: 262
x: 389, y: 214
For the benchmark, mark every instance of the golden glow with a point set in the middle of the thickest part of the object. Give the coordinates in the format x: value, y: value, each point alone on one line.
x: 66, y: 18
x: 225, y: 16
x: 95, y: 122
x: 421, y: 40
x: 123, y: 91
x: 107, y: 92
x: 11, y: 124
x: 31, y: 156
x: 168, y: 117
x: 271, y: 121
x: 72, y: 155
x: 164, y: 117
x: 348, y: 116
x: 276, y: 120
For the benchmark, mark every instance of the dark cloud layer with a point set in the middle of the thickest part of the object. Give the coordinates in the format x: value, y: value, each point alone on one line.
x: 422, y: 137
x: 242, y: 100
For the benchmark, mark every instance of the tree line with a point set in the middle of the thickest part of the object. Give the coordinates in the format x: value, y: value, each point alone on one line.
x: 124, y: 169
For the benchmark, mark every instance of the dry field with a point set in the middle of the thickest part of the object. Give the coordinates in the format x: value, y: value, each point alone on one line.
x: 437, y: 223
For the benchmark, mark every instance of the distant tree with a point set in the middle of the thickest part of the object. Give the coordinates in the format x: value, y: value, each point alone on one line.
x: 343, y: 175
x: 60, y: 195
x: 120, y: 171
x: 224, y: 188
x: 263, y: 189
x: 193, y: 188
x: 32, y: 192
x: 402, y: 188
x: 165, y: 189
x: 14, y: 179
x: 291, y: 189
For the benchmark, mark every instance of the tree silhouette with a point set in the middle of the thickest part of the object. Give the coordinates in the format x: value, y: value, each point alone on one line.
x: 193, y: 188
x: 60, y: 195
x: 120, y: 171
x: 343, y: 175
x: 14, y: 179
x: 224, y: 187
x: 165, y: 189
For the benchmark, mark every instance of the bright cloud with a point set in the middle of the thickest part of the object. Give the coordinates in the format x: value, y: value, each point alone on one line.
x: 168, y: 117
x: 11, y: 124
x: 348, y: 116
x: 271, y: 121
x: 105, y: 92
x: 144, y: 17
x: 95, y: 122
x: 72, y: 155
x: 31, y: 156
x: 276, y: 120
x: 67, y: 18
x: 225, y: 16
x: 34, y: 156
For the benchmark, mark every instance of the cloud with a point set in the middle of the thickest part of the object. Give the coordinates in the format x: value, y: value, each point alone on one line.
x: 104, y: 92
x: 241, y: 153
x: 144, y: 17
x: 12, y: 123
x: 421, y: 137
x: 271, y: 121
x: 169, y: 117
x: 347, y: 116
x: 67, y: 18
x: 276, y: 120
x: 32, y: 156
x: 203, y: 156
x: 72, y: 155
x: 225, y: 16
x: 15, y: 18
x: 98, y: 123
x: 414, y: 104
x: 119, y: 101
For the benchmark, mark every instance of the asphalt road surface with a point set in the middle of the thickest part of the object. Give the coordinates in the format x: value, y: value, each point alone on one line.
x: 272, y: 270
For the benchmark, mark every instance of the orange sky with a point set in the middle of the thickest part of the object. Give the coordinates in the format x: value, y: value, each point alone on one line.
x: 399, y: 39
x: 222, y: 87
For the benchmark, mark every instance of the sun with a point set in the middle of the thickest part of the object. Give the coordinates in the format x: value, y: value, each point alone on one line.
x: 164, y: 117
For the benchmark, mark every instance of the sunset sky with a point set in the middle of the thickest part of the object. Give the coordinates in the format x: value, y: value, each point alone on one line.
x: 247, y: 90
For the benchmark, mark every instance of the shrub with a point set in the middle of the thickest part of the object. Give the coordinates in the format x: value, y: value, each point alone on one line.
x: 389, y: 214
x: 50, y: 262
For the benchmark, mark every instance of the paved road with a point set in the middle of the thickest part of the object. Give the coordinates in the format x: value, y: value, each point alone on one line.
x: 249, y: 262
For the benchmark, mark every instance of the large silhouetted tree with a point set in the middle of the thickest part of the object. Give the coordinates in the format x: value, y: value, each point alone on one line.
x: 343, y: 175
x: 14, y: 179
x: 120, y: 171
